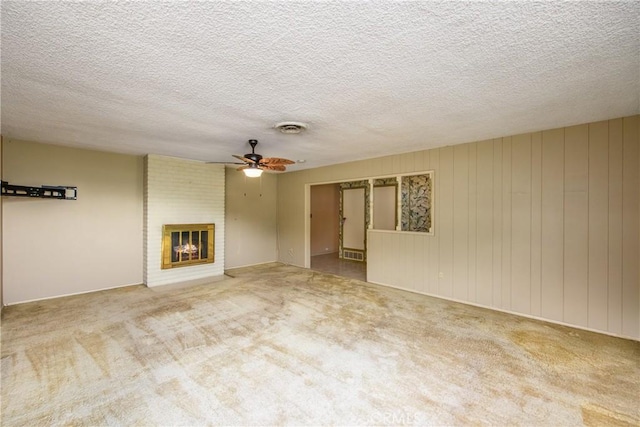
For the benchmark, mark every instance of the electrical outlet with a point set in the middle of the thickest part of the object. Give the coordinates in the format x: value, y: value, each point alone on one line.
x: 441, y: 275
x: 291, y: 252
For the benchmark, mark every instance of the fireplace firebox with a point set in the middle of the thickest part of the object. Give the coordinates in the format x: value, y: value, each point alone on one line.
x: 187, y: 244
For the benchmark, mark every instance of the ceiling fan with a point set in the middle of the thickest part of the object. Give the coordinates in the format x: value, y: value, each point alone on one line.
x: 253, y: 163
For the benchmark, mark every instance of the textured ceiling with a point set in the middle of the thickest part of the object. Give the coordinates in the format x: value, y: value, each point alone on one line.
x: 198, y: 79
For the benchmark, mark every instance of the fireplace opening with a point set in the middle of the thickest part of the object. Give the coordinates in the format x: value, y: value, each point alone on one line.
x: 187, y: 244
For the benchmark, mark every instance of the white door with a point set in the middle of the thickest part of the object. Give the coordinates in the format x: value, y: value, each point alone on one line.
x: 353, y: 218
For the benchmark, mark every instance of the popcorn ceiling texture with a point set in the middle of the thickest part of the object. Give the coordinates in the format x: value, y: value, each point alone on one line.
x: 196, y: 80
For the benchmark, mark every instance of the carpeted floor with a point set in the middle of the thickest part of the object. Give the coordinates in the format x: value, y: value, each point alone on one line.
x: 280, y: 345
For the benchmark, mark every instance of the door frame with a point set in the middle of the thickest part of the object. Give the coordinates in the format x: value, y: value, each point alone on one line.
x: 307, y: 213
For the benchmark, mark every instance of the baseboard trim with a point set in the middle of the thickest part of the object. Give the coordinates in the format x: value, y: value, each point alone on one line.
x: 528, y: 316
x: 72, y: 294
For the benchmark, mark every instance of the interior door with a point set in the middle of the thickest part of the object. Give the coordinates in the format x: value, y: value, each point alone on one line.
x: 353, y: 218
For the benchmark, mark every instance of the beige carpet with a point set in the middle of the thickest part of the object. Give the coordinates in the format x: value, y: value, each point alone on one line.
x: 282, y: 345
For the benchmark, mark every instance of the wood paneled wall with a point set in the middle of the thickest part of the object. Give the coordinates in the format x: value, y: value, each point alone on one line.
x: 545, y: 224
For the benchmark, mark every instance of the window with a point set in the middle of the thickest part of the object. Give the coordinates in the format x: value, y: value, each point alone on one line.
x: 403, y: 203
x: 417, y: 203
x: 385, y: 203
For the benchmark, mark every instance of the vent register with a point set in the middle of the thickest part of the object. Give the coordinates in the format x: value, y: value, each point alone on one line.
x: 291, y: 127
x: 353, y: 255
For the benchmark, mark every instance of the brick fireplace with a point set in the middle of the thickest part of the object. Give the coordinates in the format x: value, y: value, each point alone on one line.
x: 182, y: 192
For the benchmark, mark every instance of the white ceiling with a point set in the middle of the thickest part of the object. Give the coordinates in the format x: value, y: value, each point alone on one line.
x: 198, y: 79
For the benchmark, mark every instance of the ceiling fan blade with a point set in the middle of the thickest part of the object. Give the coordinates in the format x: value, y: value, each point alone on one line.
x: 276, y: 161
x: 244, y: 159
x: 279, y: 168
x: 225, y: 163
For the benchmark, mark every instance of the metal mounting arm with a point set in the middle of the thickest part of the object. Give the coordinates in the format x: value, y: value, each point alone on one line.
x: 45, y: 191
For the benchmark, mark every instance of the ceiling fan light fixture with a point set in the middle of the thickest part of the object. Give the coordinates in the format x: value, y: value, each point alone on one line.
x: 252, y: 171
x: 291, y: 127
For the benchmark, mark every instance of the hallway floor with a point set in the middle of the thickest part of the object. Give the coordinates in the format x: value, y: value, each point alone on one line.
x: 330, y: 263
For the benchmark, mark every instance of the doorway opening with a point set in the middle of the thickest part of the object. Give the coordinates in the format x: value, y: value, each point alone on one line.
x: 337, y: 231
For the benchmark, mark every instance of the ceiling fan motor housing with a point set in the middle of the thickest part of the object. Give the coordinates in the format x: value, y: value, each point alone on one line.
x: 253, y: 156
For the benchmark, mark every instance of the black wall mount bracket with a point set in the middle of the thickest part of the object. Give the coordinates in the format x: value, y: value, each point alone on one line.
x: 44, y: 192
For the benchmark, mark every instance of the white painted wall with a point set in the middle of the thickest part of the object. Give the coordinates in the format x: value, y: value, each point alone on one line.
x: 250, y: 219
x: 543, y: 224
x: 60, y: 247
x: 178, y: 191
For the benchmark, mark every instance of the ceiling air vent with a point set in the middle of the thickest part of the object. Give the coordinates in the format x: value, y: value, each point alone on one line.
x: 291, y: 127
